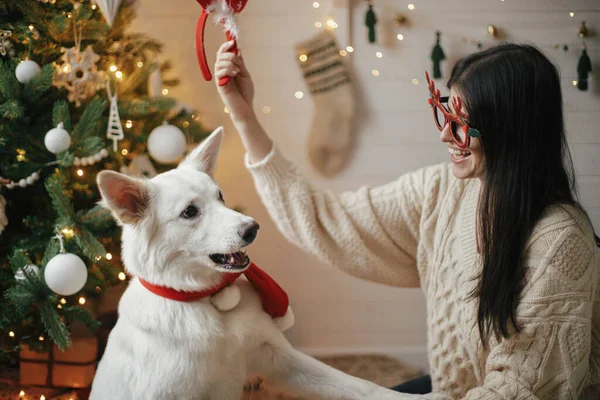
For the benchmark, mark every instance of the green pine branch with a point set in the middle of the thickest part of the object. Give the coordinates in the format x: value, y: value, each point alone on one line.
x: 55, y: 327
x: 60, y: 113
x: 39, y: 85
x: 91, y: 117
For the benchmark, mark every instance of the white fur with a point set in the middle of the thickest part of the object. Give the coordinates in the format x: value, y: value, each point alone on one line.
x: 165, y: 349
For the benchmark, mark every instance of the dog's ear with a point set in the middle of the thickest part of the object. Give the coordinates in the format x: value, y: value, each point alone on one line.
x: 204, y: 157
x: 126, y: 197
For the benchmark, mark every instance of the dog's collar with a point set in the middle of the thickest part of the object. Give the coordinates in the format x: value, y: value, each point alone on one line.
x: 184, y: 296
x: 273, y: 298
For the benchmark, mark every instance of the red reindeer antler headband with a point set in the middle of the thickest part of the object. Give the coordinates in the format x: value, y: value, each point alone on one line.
x: 224, y: 12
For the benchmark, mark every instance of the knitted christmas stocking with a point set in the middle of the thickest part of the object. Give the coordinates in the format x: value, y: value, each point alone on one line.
x: 329, y: 82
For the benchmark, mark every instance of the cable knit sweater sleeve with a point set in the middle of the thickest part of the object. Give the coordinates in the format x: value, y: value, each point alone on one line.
x: 372, y: 233
x: 550, y: 357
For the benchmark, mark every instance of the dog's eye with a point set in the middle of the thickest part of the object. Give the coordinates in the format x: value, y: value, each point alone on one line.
x: 221, y: 197
x: 189, y: 212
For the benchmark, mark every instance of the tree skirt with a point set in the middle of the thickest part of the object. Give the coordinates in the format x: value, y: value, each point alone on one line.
x: 384, y: 371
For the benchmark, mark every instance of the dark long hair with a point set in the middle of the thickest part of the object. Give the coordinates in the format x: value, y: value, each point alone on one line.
x: 513, y: 97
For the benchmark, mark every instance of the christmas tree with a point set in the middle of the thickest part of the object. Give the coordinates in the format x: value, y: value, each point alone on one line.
x: 78, y: 94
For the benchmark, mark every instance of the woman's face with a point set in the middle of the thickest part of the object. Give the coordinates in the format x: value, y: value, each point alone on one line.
x: 468, y: 163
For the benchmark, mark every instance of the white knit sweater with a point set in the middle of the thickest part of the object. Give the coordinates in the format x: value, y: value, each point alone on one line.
x: 420, y: 231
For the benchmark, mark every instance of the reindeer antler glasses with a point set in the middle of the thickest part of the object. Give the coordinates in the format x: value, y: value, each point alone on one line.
x: 442, y: 116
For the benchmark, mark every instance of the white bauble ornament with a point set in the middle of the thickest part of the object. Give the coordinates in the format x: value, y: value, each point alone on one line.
x: 27, y: 70
x: 57, y: 140
x: 166, y: 144
x: 65, y: 274
x: 20, y: 275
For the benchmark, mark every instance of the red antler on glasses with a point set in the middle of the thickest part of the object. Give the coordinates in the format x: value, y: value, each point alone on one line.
x: 435, y: 93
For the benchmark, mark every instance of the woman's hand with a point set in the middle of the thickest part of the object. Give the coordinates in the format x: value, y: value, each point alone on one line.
x: 238, y: 94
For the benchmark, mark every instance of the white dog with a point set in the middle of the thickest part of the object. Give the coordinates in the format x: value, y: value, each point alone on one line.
x: 178, y: 234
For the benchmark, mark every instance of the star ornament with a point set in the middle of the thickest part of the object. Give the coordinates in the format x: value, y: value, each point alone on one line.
x: 78, y: 74
x: 3, y: 36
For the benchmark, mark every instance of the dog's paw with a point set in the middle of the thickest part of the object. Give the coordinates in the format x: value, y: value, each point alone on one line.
x: 227, y: 298
x: 287, y: 321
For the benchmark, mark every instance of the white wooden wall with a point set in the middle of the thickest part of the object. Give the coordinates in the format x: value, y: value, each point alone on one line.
x: 395, y: 133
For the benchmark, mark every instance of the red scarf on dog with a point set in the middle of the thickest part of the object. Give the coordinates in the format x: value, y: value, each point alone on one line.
x: 274, y: 299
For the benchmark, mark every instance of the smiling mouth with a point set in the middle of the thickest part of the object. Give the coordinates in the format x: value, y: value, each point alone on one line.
x: 458, y: 155
x: 233, y: 261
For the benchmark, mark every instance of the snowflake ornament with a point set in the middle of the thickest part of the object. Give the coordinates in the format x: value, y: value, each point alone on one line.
x: 79, y: 74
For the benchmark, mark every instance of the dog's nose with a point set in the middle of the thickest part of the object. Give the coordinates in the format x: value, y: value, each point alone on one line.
x: 249, y: 231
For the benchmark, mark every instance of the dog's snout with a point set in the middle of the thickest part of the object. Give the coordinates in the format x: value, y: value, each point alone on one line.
x: 249, y: 231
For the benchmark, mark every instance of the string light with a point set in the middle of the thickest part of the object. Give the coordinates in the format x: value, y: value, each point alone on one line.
x: 400, y: 36
x: 113, y: 68
x: 119, y: 74
x: 195, y: 117
x: 331, y: 23
x: 572, y: 14
x: 80, y: 172
x: 186, y: 124
x: 42, y: 397
x: 574, y: 83
x: 122, y: 276
x: 124, y: 152
x: 108, y: 256
x: 165, y: 92
x: 318, y: 24
x: 140, y: 64
x: 94, y: 6
x: 415, y: 81
x: 226, y: 110
x: 98, y: 289
x: 343, y: 53
x: 128, y: 124
x: 82, y: 300
x: 21, y: 155
x: 41, y: 338
x: 11, y: 334
x: 98, y: 258
x: 22, y: 393
x: 266, y: 109
x: 67, y: 68
x: 303, y: 57
x: 299, y: 95
x: 30, y: 27
x: 411, y: 6
x: 316, y: 4
x: 63, y: 301
x: 379, y: 54
x: 59, y: 307
x: 375, y: 72
x: 68, y: 233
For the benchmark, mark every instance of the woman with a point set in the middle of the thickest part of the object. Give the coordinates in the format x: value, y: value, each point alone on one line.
x: 506, y: 257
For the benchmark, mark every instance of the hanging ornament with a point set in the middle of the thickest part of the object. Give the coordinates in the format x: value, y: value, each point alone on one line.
x: 57, y: 140
x: 370, y: 22
x: 30, y: 180
x: 584, y: 67
x: 5, y: 44
x: 115, y: 129
x: 583, y: 30
x: 78, y: 72
x: 3, y: 217
x: 27, y: 70
x: 65, y: 273
x: 109, y: 9
x: 140, y: 166
x: 437, y: 56
x: 155, y: 83
x: 91, y: 160
x: 21, y: 276
x: 166, y: 144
